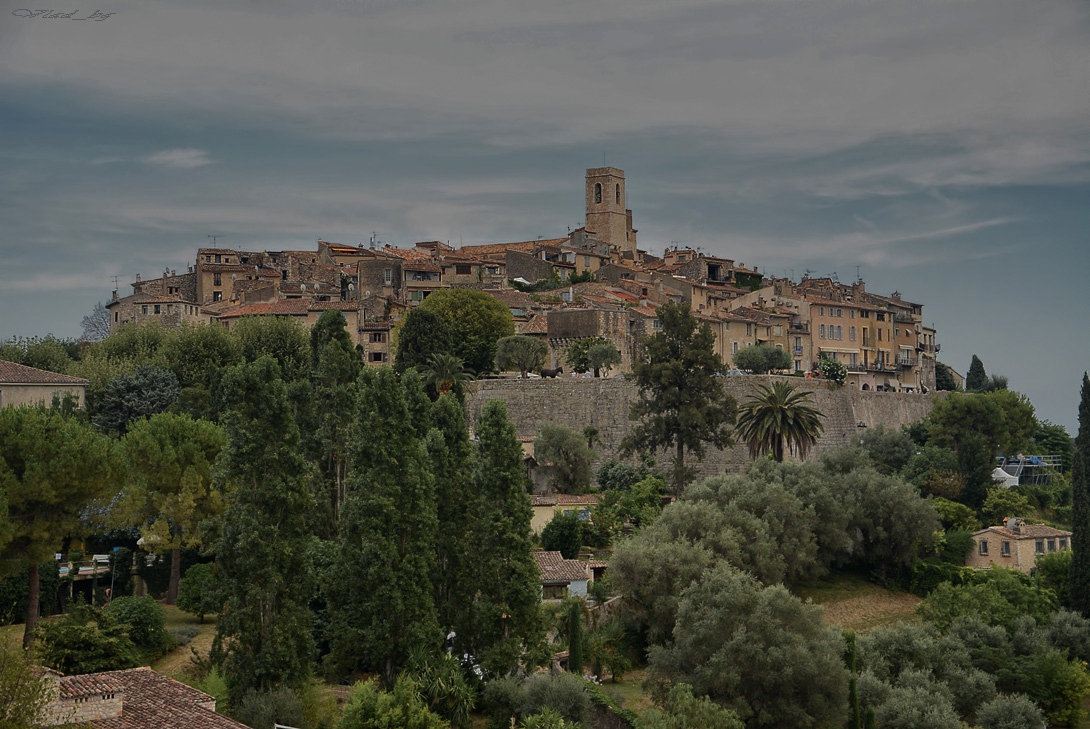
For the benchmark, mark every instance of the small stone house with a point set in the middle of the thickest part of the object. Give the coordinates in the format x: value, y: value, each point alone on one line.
x: 1015, y: 545
x: 136, y: 698
x: 546, y: 507
x: 22, y: 385
x: 561, y: 577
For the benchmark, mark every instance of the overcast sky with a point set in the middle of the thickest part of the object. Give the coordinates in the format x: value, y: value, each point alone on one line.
x: 941, y: 149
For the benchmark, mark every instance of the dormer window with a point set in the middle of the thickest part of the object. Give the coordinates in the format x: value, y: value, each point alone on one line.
x: 598, y: 192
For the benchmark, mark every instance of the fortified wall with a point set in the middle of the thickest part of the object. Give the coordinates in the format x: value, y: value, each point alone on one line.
x: 604, y: 403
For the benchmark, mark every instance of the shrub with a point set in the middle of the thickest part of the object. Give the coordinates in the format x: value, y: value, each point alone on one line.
x: 183, y: 634
x: 564, y: 534
x: 146, y: 621
x: 501, y: 701
x: 563, y: 693
x: 370, y: 708
x: 86, y: 640
x: 197, y: 593
x: 1013, y: 711
x: 262, y: 709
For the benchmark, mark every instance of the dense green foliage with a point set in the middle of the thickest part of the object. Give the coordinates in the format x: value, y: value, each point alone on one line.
x: 976, y: 378
x: 138, y: 394
x: 198, y: 591
x: 777, y: 420
x: 944, y: 377
x: 168, y: 486
x: 762, y: 359
x: 564, y: 534
x: 146, y: 621
x: 577, y: 356
x: 748, y: 647
x: 423, y: 334
x: 24, y: 692
x: 371, y: 708
x: 681, y: 710
x: 682, y: 403
x: 564, y: 453
x: 263, y: 638
x: 476, y: 322
x: 1080, y: 513
x: 783, y: 523
x: 52, y: 468
x: 507, y: 616
x: 382, y: 610
x: 86, y: 640
x: 522, y: 353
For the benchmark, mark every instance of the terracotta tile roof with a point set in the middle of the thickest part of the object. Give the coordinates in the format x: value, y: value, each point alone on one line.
x: 554, y: 568
x: 340, y: 305
x: 12, y: 373
x: 537, y: 325
x: 1028, y: 531
x: 645, y: 311
x: 511, y: 298
x: 526, y: 246
x: 283, y: 307
x: 149, y: 700
x: 421, y: 266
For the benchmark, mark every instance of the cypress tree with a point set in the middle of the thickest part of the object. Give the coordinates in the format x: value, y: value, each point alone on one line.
x: 976, y: 379
x: 457, y: 507
x: 263, y: 639
x: 1080, y: 516
x: 381, y: 606
x: 575, y: 637
x: 508, y: 611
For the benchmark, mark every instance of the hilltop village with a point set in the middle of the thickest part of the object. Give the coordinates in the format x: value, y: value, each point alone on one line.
x: 593, y: 282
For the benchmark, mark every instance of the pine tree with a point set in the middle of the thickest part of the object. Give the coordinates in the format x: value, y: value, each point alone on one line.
x: 1080, y: 516
x: 263, y: 639
x: 682, y: 404
x: 508, y: 610
x: 457, y: 507
x: 381, y: 606
x: 167, y: 490
x: 52, y: 468
x: 976, y: 379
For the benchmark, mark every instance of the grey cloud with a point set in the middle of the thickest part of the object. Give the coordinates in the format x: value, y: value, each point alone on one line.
x: 183, y: 158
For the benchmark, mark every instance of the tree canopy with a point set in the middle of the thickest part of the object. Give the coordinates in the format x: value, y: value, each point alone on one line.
x: 52, y: 468
x: 1080, y: 515
x: 776, y: 419
x: 682, y: 403
x: 521, y: 353
x: 564, y: 452
x: 424, y: 334
x: 476, y: 321
x: 762, y: 359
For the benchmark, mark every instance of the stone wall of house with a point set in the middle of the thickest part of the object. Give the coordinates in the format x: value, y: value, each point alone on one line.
x: 604, y: 403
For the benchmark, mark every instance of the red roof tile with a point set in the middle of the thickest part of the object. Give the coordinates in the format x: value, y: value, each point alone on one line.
x: 283, y: 307
x: 149, y: 700
x: 554, y: 568
x: 12, y: 373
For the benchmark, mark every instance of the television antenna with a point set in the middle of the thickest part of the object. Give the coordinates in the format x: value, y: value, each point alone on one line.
x: 213, y: 237
x: 808, y: 272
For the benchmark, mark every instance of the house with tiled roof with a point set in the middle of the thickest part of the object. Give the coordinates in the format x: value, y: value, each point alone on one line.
x: 547, y: 506
x: 1016, y: 545
x: 561, y: 577
x: 22, y: 385
x: 136, y: 698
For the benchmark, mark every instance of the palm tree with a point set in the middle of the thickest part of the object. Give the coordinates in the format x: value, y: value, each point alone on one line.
x: 777, y: 416
x: 444, y: 371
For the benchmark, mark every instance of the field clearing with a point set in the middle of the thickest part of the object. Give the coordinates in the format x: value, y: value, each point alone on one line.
x: 176, y: 663
x: 853, y: 603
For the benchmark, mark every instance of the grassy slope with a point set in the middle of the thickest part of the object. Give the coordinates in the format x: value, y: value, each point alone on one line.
x: 853, y: 603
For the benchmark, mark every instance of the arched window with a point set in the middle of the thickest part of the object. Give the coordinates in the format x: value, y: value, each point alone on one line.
x: 618, y: 194
x: 598, y: 192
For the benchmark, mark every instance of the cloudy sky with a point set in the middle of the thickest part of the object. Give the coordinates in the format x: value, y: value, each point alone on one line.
x: 941, y: 149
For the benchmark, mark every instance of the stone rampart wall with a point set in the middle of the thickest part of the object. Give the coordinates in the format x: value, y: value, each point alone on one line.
x: 604, y: 403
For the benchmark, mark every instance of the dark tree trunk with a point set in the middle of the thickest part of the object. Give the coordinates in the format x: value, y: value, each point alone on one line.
x: 175, y: 575
x: 33, y: 606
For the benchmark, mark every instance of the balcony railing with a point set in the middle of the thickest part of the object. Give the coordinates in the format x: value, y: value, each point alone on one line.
x: 857, y: 368
x: 906, y: 361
